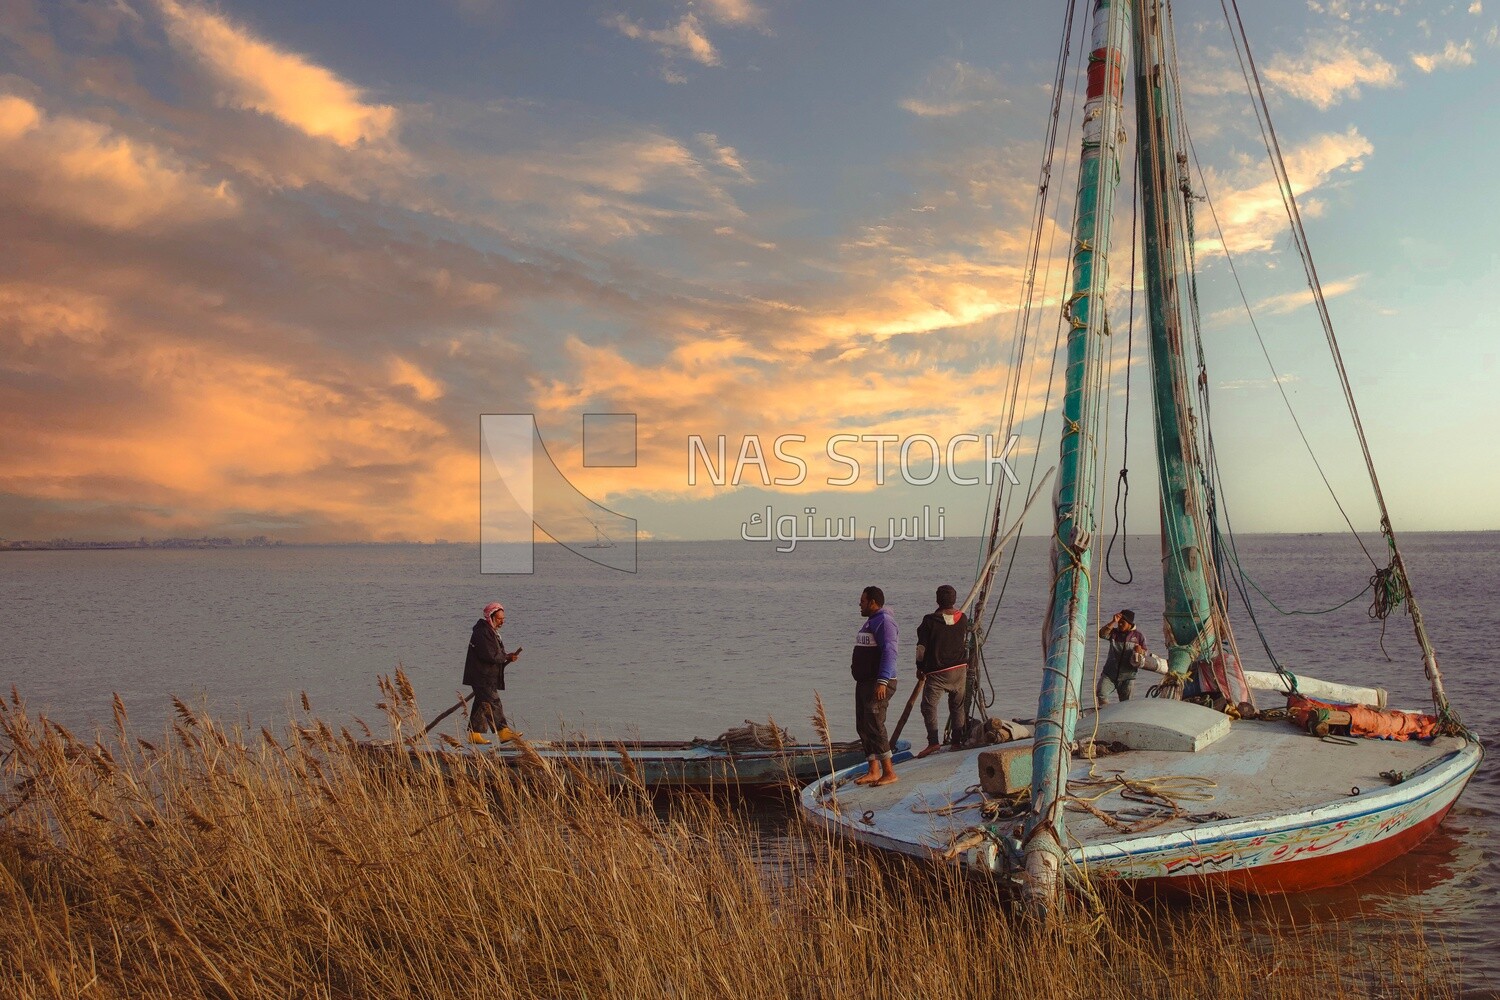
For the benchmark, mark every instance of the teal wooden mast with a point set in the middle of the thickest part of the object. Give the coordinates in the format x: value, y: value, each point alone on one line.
x: 1067, y: 625
x: 1197, y: 632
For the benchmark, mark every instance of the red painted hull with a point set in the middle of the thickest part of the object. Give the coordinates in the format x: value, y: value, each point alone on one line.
x: 1304, y: 875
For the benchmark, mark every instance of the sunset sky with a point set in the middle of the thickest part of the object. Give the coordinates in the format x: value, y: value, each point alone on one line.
x: 266, y: 263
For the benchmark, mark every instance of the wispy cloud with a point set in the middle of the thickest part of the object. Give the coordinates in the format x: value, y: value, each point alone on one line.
x: 1250, y: 210
x: 739, y: 12
x: 685, y: 38
x: 1329, y: 70
x: 1286, y: 303
x: 1280, y: 305
x: 1240, y: 384
x: 953, y: 89
x: 254, y: 75
x: 606, y: 187
x: 724, y: 156
x: 1452, y: 56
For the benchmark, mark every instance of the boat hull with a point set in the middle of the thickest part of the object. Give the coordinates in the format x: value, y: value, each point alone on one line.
x: 1300, y: 850
x: 666, y: 766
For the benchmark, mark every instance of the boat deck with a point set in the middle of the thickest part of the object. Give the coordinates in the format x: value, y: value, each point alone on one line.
x: 1260, y: 774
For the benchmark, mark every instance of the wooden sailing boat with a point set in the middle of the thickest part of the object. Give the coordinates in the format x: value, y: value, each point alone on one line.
x: 1208, y: 791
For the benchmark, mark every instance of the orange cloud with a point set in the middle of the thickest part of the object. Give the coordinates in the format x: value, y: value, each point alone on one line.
x: 190, y: 435
x: 730, y: 389
x: 85, y: 172
x: 254, y: 75
x: 260, y: 438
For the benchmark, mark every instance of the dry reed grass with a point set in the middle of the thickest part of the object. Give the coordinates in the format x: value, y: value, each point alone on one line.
x: 208, y: 864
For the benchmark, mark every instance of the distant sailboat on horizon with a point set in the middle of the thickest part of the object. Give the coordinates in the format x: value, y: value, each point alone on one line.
x: 601, y: 540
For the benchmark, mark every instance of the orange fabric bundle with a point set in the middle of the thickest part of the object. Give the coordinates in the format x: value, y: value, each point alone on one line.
x: 1387, y: 725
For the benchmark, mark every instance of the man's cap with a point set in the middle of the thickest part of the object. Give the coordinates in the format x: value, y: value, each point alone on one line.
x: 492, y: 607
x: 1128, y: 616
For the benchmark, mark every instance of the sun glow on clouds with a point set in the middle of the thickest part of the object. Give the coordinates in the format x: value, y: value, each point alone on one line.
x: 83, y: 171
x: 684, y: 38
x: 1251, y: 210
x: 735, y: 389
x: 192, y: 424
x: 1289, y: 302
x: 254, y: 75
x: 1329, y: 70
x: 277, y: 326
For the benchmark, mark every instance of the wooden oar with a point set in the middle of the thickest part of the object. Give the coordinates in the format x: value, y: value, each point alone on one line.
x: 906, y: 714
x: 449, y: 712
x: 1015, y: 528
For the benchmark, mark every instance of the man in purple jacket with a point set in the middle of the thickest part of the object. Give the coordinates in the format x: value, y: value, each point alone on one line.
x: 874, y: 670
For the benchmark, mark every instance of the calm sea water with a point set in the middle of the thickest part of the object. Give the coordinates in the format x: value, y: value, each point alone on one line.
x: 709, y: 634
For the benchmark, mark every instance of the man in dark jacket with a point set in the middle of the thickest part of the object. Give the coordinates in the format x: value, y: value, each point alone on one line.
x: 484, y: 671
x: 874, y: 670
x: 1127, y: 652
x: 943, y: 665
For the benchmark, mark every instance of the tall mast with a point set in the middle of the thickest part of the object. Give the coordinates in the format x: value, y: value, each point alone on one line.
x: 1197, y: 632
x: 1067, y: 623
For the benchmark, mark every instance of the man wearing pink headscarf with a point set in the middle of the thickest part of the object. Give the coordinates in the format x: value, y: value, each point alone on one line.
x: 484, y: 671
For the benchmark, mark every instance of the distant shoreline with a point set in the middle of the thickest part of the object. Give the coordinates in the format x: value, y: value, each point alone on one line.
x: 261, y: 542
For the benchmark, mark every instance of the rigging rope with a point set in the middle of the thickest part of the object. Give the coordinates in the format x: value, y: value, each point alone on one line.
x: 1299, y: 237
x: 973, y: 697
x: 1122, y: 484
x: 1026, y: 305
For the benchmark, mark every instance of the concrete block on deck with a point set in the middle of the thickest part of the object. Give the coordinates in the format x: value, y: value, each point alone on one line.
x: 1005, y: 770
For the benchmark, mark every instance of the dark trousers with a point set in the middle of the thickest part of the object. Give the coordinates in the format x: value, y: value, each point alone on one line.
x: 869, y: 717
x: 486, y: 714
x: 949, y: 682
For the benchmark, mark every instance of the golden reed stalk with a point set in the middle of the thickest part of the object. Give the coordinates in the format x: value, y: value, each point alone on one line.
x: 214, y: 866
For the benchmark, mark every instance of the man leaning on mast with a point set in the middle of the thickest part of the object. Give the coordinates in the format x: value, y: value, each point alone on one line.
x: 1127, y: 652
x: 874, y: 670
